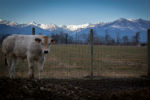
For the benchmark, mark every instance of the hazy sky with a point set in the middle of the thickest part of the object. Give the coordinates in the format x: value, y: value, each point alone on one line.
x: 64, y: 12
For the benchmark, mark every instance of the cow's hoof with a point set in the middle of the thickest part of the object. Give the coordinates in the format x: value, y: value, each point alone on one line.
x: 12, y: 77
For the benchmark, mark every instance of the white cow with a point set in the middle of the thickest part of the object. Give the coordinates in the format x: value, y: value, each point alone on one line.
x: 32, y: 47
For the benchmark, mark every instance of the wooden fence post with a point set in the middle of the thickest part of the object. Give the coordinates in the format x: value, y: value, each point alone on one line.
x: 148, y: 44
x: 33, y: 31
x: 91, y: 42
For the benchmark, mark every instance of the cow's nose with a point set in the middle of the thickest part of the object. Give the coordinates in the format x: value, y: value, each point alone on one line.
x: 45, y: 51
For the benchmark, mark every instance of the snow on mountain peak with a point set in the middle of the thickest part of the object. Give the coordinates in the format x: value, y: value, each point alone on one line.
x: 3, y: 21
x: 76, y: 27
x: 132, y: 20
x: 33, y: 23
x: 126, y: 20
x: 10, y: 23
x: 48, y: 26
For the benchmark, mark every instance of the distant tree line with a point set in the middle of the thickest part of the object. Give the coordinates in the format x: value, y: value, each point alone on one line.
x: 65, y: 38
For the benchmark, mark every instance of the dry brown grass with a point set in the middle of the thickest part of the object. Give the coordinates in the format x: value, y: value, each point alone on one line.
x: 73, y: 61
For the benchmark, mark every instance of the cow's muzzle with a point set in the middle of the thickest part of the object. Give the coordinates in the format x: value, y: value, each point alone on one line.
x: 45, y: 52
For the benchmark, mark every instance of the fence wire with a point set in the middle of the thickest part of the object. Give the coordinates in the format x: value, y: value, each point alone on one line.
x: 73, y: 61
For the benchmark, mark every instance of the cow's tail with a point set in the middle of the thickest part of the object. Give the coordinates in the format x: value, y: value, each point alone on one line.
x: 6, y: 60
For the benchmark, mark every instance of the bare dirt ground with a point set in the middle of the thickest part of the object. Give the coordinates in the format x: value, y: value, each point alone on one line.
x: 75, y: 89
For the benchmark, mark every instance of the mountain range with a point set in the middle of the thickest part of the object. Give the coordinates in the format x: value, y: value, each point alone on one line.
x: 125, y: 27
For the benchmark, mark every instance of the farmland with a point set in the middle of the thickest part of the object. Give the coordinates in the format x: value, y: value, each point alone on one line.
x: 73, y: 61
x: 117, y: 75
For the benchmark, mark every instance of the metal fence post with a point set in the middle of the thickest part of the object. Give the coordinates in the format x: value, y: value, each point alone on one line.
x: 33, y: 31
x: 91, y: 41
x: 148, y: 44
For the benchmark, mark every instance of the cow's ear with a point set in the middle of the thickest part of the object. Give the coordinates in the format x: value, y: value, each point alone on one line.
x: 38, y: 40
x: 53, y: 41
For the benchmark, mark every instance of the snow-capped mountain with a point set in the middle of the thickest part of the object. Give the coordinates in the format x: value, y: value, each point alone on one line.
x: 76, y: 27
x: 10, y: 23
x: 48, y: 26
x: 123, y: 26
x: 134, y: 25
x: 33, y: 23
x: 44, y: 26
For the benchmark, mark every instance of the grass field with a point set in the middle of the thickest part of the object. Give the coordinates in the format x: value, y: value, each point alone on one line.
x: 73, y: 61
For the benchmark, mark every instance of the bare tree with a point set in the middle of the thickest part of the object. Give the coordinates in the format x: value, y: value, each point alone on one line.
x: 125, y: 40
x: 106, y: 37
x: 61, y: 37
x: 135, y: 39
x: 97, y: 38
x: 118, y: 38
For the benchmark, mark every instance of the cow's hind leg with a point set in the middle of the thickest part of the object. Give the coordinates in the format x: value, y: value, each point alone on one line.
x: 31, y: 68
x: 11, y: 61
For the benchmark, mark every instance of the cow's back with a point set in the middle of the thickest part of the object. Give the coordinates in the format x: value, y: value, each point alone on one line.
x: 18, y: 45
x: 8, y: 44
x: 21, y: 45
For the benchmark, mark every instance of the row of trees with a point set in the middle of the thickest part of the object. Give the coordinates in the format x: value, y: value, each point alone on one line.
x: 64, y: 38
x: 125, y: 40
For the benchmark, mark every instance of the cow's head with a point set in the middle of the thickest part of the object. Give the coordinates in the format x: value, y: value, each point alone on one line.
x: 45, y: 43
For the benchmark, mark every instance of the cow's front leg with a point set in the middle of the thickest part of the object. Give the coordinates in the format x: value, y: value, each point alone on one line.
x: 41, y: 65
x: 31, y: 67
